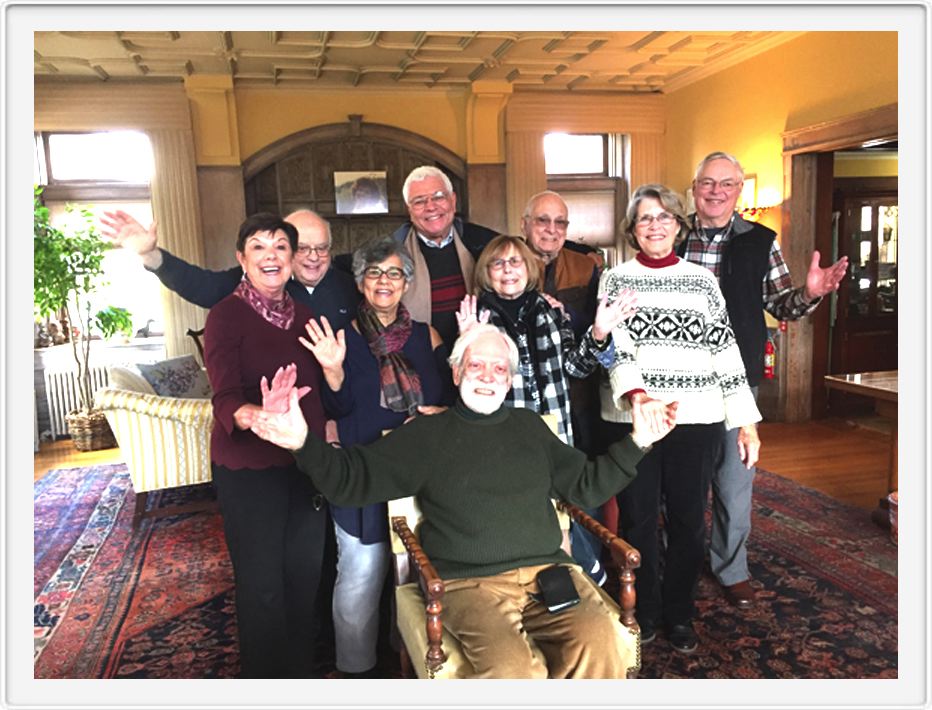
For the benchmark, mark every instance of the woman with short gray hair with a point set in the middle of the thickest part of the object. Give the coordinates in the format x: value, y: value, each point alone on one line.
x: 678, y: 347
x: 378, y: 372
x: 378, y: 251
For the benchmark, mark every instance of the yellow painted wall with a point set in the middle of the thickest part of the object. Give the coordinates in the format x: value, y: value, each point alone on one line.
x: 855, y: 166
x: 743, y: 110
x: 267, y: 115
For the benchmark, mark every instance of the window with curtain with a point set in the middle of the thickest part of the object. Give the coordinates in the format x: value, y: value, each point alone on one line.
x: 103, y: 172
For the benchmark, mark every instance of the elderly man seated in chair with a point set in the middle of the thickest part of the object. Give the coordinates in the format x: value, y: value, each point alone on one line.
x: 484, y: 476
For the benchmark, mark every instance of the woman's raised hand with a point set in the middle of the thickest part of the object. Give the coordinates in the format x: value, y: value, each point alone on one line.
x: 554, y: 303
x: 287, y: 429
x: 467, y: 316
x: 275, y: 398
x: 329, y: 349
x: 610, y: 314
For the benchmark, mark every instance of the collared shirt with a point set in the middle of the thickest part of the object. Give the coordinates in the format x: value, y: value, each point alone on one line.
x: 434, y: 245
x: 780, y: 299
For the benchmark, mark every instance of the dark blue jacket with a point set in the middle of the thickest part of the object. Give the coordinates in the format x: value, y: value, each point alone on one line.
x: 361, y: 418
x: 336, y: 296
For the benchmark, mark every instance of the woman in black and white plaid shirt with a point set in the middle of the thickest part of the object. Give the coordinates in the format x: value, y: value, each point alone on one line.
x: 507, y: 283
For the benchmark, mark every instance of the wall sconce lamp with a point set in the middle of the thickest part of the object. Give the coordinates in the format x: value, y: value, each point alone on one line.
x: 753, y: 214
x: 751, y: 210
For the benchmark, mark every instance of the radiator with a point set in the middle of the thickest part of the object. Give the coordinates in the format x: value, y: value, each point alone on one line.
x: 61, y: 392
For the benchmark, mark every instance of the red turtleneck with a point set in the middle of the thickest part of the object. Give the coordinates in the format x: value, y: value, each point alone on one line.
x: 668, y: 260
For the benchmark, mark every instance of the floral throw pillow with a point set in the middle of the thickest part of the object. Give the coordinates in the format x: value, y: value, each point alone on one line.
x: 177, y: 377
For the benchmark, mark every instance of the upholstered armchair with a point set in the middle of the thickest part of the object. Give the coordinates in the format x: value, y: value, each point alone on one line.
x: 427, y: 649
x: 165, y: 441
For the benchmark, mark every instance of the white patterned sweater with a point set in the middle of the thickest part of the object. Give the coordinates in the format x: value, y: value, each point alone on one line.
x: 679, y: 346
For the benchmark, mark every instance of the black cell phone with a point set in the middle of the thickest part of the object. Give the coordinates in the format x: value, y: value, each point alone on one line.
x: 557, y: 591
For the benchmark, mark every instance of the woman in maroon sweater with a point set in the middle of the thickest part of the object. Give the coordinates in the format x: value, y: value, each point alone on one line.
x: 273, y: 518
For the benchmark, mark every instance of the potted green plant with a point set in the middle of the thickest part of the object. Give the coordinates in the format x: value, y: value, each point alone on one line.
x: 68, y: 268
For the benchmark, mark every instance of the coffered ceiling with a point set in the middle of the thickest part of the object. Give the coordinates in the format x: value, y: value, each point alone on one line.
x: 585, y: 61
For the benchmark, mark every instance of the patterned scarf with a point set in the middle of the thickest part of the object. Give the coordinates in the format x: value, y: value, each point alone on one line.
x: 519, y: 315
x: 278, y: 313
x: 401, y: 385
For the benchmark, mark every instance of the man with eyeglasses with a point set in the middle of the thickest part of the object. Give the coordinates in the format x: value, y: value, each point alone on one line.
x: 753, y: 275
x: 443, y: 247
x: 571, y: 276
x: 571, y: 270
x: 327, y: 291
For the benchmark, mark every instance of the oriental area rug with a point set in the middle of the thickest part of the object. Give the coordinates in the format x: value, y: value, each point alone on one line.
x: 157, y: 602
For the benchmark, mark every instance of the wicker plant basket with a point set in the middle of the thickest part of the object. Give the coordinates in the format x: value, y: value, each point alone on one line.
x: 90, y: 431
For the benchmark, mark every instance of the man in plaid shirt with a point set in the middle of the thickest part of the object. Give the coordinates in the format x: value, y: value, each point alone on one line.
x: 746, y: 259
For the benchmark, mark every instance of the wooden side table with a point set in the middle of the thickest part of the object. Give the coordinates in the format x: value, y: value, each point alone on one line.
x: 882, y: 387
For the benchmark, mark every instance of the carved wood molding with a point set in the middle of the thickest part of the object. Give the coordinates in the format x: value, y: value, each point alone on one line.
x: 351, y: 129
x: 875, y: 124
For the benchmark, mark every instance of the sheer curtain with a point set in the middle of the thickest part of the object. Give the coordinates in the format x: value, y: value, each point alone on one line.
x: 175, y: 207
x: 163, y: 113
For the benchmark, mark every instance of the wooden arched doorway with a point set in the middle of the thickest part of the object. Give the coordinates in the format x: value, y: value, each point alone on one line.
x: 297, y: 172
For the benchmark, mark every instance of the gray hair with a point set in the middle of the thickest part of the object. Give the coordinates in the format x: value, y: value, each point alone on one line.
x: 534, y: 198
x: 671, y: 202
x: 377, y: 251
x: 422, y: 173
x: 719, y: 155
x: 470, y: 336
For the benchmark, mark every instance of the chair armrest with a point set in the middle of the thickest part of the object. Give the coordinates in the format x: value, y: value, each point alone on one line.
x: 626, y: 559
x: 191, y: 412
x: 432, y: 588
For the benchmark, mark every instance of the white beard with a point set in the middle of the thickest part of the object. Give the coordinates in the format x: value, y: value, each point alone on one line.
x: 482, y: 403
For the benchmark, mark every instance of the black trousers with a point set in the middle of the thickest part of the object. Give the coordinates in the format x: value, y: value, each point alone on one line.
x: 675, y: 473
x: 275, y: 526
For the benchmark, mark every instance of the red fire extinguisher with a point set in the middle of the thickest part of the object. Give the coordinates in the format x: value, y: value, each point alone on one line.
x: 770, y: 359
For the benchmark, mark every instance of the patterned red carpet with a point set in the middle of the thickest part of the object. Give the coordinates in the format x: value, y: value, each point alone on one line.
x: 158, y: 603
x: 827, y: 591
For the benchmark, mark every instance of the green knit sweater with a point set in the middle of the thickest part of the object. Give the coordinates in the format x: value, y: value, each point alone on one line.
x: 484, y: 484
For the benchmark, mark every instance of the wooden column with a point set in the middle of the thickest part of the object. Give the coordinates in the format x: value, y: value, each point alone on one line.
x: 485, y: 133
x: 525, y: 173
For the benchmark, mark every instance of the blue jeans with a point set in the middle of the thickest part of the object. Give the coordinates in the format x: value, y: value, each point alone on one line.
x: 361, y: 571
x: 587, y: 549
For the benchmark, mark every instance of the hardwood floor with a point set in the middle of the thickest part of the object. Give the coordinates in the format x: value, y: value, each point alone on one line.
x: 844, y: 459
x: 62, y: 454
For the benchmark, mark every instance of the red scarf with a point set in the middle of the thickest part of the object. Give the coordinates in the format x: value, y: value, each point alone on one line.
x: 401, y: 385
x: 279, y: 313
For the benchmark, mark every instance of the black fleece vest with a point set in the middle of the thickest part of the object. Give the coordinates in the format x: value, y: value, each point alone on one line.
x: 744, y: 265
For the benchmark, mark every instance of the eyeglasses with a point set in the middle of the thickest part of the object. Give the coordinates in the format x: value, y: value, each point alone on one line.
x: 514, y: 262
x: 559, y: 224
x: 305, y: 249
x: 420, y: 203
x: 708, y: 184
x: 663, y: 218
x: 392, y: 272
